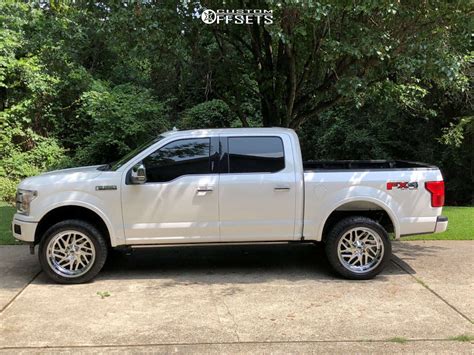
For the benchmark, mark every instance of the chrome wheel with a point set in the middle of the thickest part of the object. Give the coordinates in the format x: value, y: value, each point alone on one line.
x: 360, y: 250
x: 70, y: 253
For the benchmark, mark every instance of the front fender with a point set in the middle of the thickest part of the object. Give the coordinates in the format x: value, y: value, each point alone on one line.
x: 107, y: 209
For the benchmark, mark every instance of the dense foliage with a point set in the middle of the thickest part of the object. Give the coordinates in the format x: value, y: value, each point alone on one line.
x: 83, y: 83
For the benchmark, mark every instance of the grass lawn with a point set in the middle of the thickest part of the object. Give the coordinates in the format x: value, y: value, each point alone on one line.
x: 460, y: 227
x: 6, y: 216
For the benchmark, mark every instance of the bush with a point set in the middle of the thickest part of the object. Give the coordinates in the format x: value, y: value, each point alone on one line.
x: 121, y: 118
x: 7, y: 189
x: 209, y: 114
x: 24, y: 153
x: 381, y: 130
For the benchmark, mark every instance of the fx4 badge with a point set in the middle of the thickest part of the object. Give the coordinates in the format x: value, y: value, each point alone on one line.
x: 402, y: 185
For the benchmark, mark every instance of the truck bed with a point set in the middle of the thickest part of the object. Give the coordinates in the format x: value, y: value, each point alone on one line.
x: 322, y: 165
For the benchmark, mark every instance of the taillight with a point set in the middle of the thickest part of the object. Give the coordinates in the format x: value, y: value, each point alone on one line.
x: 436, y: 188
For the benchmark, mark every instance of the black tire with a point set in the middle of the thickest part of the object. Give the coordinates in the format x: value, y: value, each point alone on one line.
x: 95, y: 237
x: 339, y: 230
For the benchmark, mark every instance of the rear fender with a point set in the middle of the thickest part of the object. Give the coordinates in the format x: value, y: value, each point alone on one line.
x: 332, y: 202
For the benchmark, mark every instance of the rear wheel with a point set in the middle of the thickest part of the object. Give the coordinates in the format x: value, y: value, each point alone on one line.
x: 358, y: 248
x: 72, y: 251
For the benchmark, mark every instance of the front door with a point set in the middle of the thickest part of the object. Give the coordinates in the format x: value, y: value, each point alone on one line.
x: 179, y: 201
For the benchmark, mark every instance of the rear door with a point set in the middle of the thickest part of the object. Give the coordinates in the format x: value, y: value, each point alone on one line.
x: 257, y: 189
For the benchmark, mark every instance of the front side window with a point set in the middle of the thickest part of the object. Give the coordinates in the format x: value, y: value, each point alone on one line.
x: 178, y: 158
x: 256, y: 154
x: 131, y: 154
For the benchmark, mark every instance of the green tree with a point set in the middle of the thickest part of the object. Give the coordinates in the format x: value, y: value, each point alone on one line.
x: 83, y: 82
x: 209, y: 114
x: 121, y: 118
x: 27, y: 92
x: 320, y: 54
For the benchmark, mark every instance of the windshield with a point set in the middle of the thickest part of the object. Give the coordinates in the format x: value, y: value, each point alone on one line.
x: 114, y: 166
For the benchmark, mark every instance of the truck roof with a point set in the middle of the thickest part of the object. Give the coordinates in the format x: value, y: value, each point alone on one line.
x: 216, y: 131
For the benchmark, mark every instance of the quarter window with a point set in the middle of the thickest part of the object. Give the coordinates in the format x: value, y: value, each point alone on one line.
x: 256, y: 155
x: 181, y: 157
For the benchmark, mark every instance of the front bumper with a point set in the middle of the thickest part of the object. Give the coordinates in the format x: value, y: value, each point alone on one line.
x: 441, y: 224
x: 23, y: 230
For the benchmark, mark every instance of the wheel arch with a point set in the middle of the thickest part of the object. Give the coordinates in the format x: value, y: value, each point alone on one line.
x: 72, y: 211
x: 365, y: 207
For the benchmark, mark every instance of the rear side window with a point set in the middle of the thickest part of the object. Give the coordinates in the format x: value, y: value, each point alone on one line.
x: 181, y: 157
x: 256, y: 154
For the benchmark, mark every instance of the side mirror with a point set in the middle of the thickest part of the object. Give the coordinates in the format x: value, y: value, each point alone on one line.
x: 138, y: 174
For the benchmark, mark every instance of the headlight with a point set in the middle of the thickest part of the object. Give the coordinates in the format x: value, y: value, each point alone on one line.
x: 23, y: 200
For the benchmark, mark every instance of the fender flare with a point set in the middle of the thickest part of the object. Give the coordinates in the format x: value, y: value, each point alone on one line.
x: 75, y: 203
x: 382, y: 205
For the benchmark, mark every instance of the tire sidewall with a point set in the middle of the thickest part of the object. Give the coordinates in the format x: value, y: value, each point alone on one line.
x: 95, y: 236
x: 339, y: 230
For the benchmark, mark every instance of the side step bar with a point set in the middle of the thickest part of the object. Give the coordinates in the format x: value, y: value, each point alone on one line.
x: 165, y: 245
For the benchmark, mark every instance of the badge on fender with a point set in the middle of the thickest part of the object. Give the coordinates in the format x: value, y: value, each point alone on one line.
x: 402, y: 185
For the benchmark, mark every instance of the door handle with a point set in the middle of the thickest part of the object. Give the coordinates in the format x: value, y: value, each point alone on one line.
x: 282, y: 188
x: 205, y: 189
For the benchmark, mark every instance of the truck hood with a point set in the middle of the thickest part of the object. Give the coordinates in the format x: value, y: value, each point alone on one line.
x: 82, y: 170
x: 61, y: 176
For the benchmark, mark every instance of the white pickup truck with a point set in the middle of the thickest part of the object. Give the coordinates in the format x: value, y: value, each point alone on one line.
x: 246, y: 185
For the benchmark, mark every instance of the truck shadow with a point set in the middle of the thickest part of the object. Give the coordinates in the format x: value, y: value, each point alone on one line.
x: 404, y: 252
x: 409, y: 251
x: 227, y: 264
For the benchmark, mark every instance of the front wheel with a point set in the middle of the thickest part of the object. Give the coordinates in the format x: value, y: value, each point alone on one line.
x: 72, y: 251
x: 358, y: 248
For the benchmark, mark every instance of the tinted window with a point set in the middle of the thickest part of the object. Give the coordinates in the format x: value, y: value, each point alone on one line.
x: 182, y: 157
x: 255, y: 154
x: 133, y: 153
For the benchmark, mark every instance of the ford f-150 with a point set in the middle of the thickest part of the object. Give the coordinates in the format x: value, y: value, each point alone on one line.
x: 247, y: 185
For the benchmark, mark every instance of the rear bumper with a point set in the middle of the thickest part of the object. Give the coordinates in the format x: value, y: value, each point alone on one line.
x: 418, y: 228
x: 24, y: 231
x: 441, y: 224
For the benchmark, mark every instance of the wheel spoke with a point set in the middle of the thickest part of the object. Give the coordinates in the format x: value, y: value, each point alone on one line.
x: 364, y: 236
x: 83, y: 263
x: 81, y: 241
x: 56, y: 255
x: 62, y: 259
x: 372, y: 252
x: 60, y: 244
x: 352, y: 257
x: 346, y: 249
